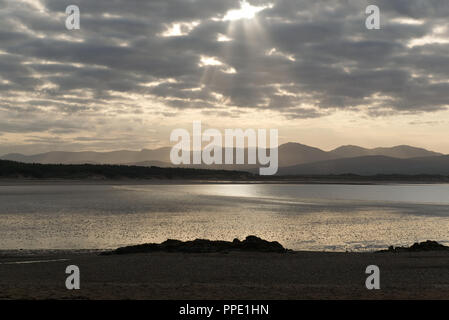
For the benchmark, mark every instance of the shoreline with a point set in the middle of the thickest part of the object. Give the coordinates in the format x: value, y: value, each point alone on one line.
x: 27, y: 253
x: 19, y: 182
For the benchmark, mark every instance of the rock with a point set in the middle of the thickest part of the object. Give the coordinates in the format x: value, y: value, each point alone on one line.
x: 250, y: 244
x: 253, y: 243
x: 428, y: 246
x: 418, y: 247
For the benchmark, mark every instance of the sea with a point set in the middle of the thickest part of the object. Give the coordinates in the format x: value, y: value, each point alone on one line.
x: 309, y: 217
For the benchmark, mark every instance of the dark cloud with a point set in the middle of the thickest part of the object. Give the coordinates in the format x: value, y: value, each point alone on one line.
x: 304, y: 59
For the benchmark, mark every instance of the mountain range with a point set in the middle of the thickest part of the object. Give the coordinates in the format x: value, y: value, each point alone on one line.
x: 294, y: 159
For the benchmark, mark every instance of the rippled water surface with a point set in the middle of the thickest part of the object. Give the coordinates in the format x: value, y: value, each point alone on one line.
x: 301, y: 217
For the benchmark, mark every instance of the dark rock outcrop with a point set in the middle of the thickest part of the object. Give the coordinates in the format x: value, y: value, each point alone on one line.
x: 251, y: 243
x: 418, y: 247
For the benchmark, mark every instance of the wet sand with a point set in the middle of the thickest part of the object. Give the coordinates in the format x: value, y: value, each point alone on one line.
x: 235, y: 275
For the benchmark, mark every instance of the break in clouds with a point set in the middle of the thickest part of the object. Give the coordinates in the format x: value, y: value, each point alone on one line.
x: 303, y: 59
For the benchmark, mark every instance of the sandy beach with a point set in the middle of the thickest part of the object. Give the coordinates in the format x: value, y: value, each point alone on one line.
x: 235, y: 275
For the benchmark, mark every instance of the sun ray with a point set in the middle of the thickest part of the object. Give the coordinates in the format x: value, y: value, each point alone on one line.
x: 244, y: 37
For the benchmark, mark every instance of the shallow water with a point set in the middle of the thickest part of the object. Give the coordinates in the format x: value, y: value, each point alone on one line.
x: 301, y: 217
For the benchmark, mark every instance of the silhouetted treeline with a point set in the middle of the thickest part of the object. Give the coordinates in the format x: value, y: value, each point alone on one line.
x: 17, y: 170
x: 11, y: 169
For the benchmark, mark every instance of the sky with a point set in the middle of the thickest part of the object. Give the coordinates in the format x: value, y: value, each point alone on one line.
x: 136, y: 70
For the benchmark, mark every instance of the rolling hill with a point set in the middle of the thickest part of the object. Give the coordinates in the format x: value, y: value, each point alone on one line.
x: 402, y: 152
x: 294, y: 158
x: 113, y: 157
x: 372, y: 165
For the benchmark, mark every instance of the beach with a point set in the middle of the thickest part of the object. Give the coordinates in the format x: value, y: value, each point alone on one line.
x: 332, y: 230
x: 234, y: 275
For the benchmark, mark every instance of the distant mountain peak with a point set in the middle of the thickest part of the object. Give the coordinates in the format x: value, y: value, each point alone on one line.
x: 401, y: 152
x: 290, y: 154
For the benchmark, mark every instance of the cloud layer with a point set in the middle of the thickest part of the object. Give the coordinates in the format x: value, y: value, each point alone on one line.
x: 303, y: 59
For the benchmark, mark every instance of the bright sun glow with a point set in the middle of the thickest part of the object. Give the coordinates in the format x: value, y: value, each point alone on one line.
x: 246, y: 11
